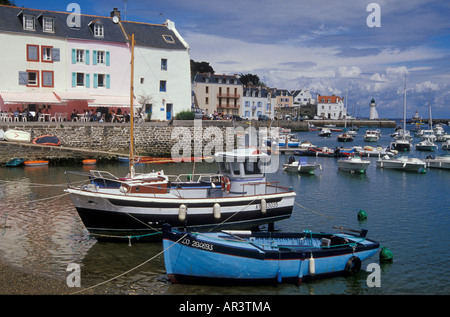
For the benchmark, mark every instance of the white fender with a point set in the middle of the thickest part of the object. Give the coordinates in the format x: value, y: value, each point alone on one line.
x: 216, y: 211
x: 263, y: 206
x: 312, y: 265
x: 182, y: 212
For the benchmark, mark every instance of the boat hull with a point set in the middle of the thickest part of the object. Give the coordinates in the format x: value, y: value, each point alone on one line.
x: 349, y: 166
x: 402, y: 165
x: 216, y: 258
x: 17, y: 136
x: 122, y: 216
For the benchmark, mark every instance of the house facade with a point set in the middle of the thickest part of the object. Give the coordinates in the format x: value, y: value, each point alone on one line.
x: 218, y: 93
x: 257, y: 102
x: 331, y: 107
x: 60, y: 67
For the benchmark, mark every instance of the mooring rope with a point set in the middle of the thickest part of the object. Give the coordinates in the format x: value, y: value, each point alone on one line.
x: 130, y: 270
x: 314, y: 212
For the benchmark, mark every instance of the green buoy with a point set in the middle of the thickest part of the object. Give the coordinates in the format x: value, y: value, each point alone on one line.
x: 386, y: 255
x: 362, y: 215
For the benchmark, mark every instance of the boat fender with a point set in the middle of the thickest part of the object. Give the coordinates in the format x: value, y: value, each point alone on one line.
x: 216, y: 211
x: 353, y: 265
x: 182, y: 212
x: 226, y: 184
x: 312, y: 265
x: 263, y: 206
x: 279, y: 276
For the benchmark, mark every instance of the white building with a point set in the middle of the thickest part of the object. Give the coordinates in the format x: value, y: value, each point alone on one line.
x: 302, y: 97
x: 331, y: 107
x: 373, y: 114
x: 257, y: 102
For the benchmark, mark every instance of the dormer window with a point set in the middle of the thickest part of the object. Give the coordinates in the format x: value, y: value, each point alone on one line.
x: 169, y: 39
x: 29, y: 22
x: 48, y: 24
x: 98, y: 30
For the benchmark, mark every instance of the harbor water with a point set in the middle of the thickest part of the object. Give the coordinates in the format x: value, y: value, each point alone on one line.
x: 407, y: 212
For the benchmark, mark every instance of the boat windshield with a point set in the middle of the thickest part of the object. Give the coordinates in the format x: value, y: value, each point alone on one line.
x: 245, y: 168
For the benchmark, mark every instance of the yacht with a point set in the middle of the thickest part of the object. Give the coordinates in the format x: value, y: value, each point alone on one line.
x: 426, y: 145
x: 325, y: 132
x: 438, y: 161
x: 402, y: 163
x: 371, y: 136
x: 353, y: 164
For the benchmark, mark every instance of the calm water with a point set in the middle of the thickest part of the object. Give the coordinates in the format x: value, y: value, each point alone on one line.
x: 407, y: 212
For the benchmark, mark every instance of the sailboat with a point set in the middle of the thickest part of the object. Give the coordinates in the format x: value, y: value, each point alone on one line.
x: 427, y: 137
x: 238, y: 197
x: 401, y: 142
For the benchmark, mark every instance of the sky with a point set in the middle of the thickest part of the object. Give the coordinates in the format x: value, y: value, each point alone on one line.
x: 357, y: 49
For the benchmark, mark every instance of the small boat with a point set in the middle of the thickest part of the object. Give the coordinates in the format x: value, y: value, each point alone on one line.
x: 317, y: 151
x: 344, y: 137
x: 36, y: 163
x: 89, y: 162
x: 400, y: 145
x: 285, y: 139
x: 446, y: 145
x: 374, y: 151
x: 371, y: 136
x: 47, y: 140
x: 17, y: 136
x: 325, y: 132
x: 426, y: 145
x: 245, y: 257
x: 402, y: 163
x: 15, y: 162
x: 302, y: 166
x: 438, y: 161
x: 353, y: 164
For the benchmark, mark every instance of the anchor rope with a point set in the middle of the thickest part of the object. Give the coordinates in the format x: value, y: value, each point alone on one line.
x: 130, y: 270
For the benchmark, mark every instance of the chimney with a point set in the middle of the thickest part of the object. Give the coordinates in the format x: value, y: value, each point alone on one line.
x: 115, y: 12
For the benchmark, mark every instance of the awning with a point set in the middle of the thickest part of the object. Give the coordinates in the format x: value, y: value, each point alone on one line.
x: 29, y: 98
x: 74, y: 96
x: 111, y: 101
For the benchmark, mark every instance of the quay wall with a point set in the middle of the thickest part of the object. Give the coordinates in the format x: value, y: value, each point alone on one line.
x: 108, y: 141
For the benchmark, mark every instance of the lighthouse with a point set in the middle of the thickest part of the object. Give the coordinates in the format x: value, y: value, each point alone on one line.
x: 373, y: 111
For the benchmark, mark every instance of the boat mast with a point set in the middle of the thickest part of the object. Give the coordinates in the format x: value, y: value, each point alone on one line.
x: 132, y: 109
x: 404, y: 112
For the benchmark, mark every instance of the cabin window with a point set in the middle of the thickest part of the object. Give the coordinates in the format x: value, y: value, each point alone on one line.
x: 252, y: 167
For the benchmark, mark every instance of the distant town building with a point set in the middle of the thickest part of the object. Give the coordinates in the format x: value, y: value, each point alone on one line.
x: 218, y: 93
x: 257, y: 102
x: 331, y: 107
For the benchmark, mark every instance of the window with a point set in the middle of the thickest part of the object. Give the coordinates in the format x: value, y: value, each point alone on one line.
x: 47, y: 78
x: 49, y: 25
x: 207, y: 89
x: 80, y: 79
x: 169, y: 39
x: 162, y: 85
x: 47, y: 54
x: 100, y: 57
x: 163, y: 64
x: 98, y: 30
x: 80, y: 56
x: 207, y: 101
x: 101, y: 80
x: 142, y: 80
x: 33, y: 53
x: 33, y: 78
x: 29, y: 22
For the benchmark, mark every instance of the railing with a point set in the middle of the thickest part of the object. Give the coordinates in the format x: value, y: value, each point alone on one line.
x: 222, y: 95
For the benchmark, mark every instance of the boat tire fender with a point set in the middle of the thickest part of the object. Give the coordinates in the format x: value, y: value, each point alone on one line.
x: 226, y: 184
x: 353, y: 265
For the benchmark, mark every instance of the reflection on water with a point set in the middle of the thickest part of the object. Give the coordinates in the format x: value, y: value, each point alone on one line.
x: 408, y: 212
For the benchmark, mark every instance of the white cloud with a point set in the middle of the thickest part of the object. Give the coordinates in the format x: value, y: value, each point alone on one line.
x: 352, y: 71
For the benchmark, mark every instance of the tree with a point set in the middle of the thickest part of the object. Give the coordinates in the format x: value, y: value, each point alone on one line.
x: 200, y: 67
x: 8, y: 3
x: 249, y: 80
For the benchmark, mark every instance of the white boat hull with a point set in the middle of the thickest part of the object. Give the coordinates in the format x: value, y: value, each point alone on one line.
x: 17, y: 136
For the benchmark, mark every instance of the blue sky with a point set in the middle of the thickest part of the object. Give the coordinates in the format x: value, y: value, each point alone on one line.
x: 323, y: 45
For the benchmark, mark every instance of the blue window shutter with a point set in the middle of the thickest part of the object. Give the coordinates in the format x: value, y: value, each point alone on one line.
x: 74, y: 79
x: 23, y: 78
x: 87, y: 57
x: 108, y: 81
x: 94, y: 57
x: 56, y: 55
x: 88, y: 80
x: 95, y: 80
x: 74, y: 56
x: 107, y: 58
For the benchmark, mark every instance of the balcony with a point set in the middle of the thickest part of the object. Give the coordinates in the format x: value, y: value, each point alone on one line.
x: 228, y: 106
x: 223, y: 95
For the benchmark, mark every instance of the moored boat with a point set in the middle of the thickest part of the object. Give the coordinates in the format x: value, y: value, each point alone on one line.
x: 47, y: 140
x: 438, y: 161
x: 371, y: 136
x: 344, y: 137
x: 325, y: 132
x: 89, y: 162
x: 353, y: 164
x: 426, y: 145
x: 36, y: 163
x: 243, y: 257
x: 15, y: 162
x: 237, y: 197
x: 302, y: 166
x: 17, y: 136
x: 402, y: 163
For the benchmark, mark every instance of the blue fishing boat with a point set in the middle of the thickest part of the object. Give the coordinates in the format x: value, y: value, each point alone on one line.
x: 15, y: 162
x: 241, y: 257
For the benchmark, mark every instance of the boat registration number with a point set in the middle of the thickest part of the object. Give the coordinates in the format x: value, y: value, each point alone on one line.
x: 197, y: 244
x: 268, y: 205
